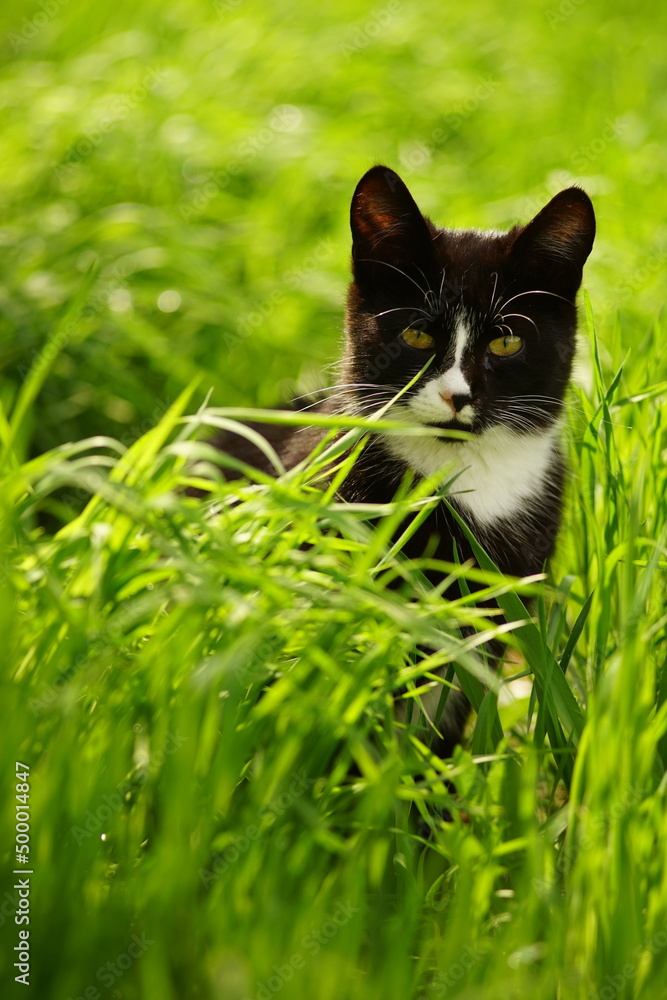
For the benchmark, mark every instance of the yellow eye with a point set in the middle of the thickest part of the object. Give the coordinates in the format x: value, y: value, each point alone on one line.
x: 504, y: 347
x: 417, y: 338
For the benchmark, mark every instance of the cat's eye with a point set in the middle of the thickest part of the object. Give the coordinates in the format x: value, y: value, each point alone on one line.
x: 417, y: 338
x: 505, y: 347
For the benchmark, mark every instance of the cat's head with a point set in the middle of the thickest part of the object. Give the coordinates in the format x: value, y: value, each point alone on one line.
x: 495, y: 311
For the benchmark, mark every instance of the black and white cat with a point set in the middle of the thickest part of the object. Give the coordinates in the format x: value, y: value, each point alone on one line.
x: 496, y: 313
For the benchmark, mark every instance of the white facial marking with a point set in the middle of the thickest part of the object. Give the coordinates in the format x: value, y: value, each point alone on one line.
x: 453, y: 382
x: 430, y: 404
x: 498, y: 470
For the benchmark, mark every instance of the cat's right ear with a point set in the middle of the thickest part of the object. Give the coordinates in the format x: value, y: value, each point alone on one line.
x: 390, y: 236
x: 557, y: 242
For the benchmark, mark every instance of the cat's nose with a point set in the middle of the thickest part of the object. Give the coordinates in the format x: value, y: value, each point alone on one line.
x: 457, y: 402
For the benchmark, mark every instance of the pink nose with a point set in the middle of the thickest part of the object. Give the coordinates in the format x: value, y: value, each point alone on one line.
x: 457, y: 402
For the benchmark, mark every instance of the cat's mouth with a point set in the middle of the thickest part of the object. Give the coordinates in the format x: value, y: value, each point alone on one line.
x: 452, y: 425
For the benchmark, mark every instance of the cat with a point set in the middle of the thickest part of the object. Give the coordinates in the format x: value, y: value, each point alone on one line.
x: 495, y: 314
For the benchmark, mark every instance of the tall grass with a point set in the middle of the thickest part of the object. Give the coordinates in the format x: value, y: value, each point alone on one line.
x: 203, y: 692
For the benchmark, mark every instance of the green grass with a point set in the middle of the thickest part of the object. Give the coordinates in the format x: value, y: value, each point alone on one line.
x: 192, y: 684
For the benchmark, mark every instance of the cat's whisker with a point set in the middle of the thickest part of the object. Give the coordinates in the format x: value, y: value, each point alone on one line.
x: 428, y: 283
x: 520, y: 415
x: 432, y: 305
x: 317, y: 402
x: 341, y: 385
x: 346, y: 400
x: 521, y: 316
x: 517, y: 420
x: 521, y: 401
x: 528, y: 414
x: 381, y: 395
x: 335, y: 367
x: 493, y: 294
x: 536, y: 399
x: 368, y: 260
x: 403, y: 309
x: 534, y: 291
x: 376, y: 399
x: 530, y: 395
x: 541, y: 397
x: 321, y: 397
x: 530, y: 410
x: 442, y: 285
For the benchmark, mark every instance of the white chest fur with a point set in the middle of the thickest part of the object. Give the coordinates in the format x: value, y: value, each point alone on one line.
x: 498, y: 472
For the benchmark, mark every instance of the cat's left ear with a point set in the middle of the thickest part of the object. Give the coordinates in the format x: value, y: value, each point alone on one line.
x: 390, y: 236
x: 558, y: 240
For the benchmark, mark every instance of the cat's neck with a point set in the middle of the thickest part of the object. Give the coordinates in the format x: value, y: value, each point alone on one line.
x: 499, y: 472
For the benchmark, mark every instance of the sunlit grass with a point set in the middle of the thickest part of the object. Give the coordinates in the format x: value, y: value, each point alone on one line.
x: 194, y: 680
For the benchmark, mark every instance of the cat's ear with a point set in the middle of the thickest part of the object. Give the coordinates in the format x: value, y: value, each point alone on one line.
x: 389, y: 233
x: 558, y: 240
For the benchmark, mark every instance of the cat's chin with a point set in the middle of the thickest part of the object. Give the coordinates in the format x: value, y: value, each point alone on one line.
x: 453, y: 425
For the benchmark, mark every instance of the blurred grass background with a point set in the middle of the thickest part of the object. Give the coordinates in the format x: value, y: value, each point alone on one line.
x: 175, y: 186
